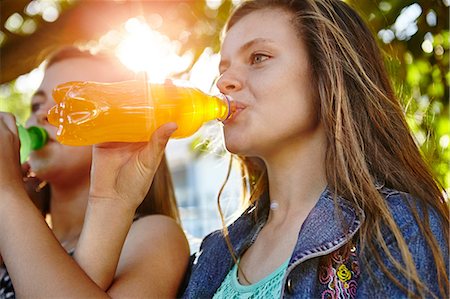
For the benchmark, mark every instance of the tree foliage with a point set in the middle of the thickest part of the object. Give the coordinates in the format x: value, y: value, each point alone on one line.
x: 414, y: 37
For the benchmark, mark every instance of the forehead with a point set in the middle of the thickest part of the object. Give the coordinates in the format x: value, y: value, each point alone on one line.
x: 273, y: 24
x: 76, y: 69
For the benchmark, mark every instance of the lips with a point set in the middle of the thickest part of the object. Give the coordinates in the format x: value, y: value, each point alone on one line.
x: 239, y: 106
x: 50, y: 131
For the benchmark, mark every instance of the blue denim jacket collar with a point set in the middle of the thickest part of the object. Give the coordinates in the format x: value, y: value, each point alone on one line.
x: 318, y: 237
x: 323, y: 231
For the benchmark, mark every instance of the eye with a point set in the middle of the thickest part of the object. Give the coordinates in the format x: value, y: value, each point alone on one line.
x: 257, y: 58
x: 35, y: 107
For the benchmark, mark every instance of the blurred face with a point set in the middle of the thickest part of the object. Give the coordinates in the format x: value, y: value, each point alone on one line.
x: 56, y: 162
x: 264, y: 67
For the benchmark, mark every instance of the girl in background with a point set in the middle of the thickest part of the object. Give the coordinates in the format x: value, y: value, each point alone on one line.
x: 66, y: 171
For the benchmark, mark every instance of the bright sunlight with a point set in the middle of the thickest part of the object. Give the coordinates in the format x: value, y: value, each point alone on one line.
x: 143, y: 49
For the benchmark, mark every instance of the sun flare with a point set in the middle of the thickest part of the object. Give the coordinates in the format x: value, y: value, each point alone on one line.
x: 143, y: 49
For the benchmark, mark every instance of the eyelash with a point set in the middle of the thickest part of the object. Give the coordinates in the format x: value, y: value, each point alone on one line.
x: 252, y: 58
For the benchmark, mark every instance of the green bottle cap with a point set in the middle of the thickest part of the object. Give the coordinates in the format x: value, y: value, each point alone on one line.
x: 32, y: 138
x: 38, y: 136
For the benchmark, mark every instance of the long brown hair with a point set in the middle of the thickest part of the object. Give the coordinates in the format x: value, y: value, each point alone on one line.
x: 160, y: 198
x: 368, y: 140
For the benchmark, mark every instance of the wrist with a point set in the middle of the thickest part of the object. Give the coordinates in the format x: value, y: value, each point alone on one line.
x: 12, y: 187
x: 108, y: 207
x: 12, y: 193
x: 14, y: 203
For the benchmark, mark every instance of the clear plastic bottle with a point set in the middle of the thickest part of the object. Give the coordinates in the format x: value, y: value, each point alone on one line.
x: 130, y: 111
x: 31, y: 139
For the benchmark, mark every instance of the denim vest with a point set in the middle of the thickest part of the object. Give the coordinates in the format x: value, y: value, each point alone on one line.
x: 326, y: 262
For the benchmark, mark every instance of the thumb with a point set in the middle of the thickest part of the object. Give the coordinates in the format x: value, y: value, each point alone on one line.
x: 153, y: 151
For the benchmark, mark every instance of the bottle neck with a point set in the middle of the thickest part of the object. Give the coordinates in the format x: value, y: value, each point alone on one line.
x: 224, y: 107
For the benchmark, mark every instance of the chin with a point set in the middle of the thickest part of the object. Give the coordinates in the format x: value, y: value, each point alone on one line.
x: 235, y: 147
x: 41, y: 167
x: 235, y: 141
x: 40, y: 171
x: 231, y: 149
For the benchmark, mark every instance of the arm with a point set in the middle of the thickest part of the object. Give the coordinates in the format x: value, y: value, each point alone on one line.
x: 28, y: 247
x: 121, y: 174
x: 26, y: 243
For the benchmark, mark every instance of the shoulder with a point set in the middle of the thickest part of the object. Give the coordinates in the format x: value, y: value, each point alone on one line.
x: 411, y: 215
x: 156, y: 225
x: 157, y: 233
x: 238, y: 232
x: 215, y: 244
x: 153, y: 260
x: 408, y: 212
x: 212, y: 239
x: 399, y: 203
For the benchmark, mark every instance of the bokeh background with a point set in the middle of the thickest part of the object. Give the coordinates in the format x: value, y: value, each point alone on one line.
x: 180, y: 40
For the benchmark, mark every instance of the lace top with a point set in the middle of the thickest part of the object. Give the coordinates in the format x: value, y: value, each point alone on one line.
x: 268, y: 287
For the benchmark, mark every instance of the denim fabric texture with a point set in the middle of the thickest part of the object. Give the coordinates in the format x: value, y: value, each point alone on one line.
x: 326, y: 261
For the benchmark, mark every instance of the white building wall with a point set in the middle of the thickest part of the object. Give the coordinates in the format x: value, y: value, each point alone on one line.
x: 197, y: 182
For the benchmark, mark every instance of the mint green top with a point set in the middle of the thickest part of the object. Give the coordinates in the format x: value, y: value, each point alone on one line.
x: 268, y: 287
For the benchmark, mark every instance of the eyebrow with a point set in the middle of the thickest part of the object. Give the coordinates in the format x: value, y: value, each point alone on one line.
x: 39, y: 93
x: 246, y: 46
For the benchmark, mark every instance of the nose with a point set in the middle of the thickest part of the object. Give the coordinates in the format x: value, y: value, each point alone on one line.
x: 39, y: 117
x: 41, y: 114
x: 229, y: 82
x: 42, y: 118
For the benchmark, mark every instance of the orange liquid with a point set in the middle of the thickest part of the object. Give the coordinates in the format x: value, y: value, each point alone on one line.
x: 130, y: 111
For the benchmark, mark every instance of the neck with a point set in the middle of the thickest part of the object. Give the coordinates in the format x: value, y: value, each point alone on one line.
x: 67, y: 208
x: 297, y: 177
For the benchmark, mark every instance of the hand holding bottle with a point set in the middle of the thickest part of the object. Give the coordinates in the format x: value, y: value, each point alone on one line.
x: 123, y: 172
x: 10, y: 171
x: 12, y: 176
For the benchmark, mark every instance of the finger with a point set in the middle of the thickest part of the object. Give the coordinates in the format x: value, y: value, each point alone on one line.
x: 9, y: 121
x: 155, y: 148
x: 161, y: 135
x: 8, y: 125
x: 111, y: 145
x: 168, y: 82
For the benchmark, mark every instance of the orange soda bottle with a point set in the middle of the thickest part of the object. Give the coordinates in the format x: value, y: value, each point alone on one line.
x: 130, y: 111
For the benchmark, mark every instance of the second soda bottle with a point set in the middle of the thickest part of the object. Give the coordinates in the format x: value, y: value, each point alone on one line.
x: 130, y: 111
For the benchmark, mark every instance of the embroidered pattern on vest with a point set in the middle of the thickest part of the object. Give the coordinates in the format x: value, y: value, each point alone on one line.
x: 339, y: 273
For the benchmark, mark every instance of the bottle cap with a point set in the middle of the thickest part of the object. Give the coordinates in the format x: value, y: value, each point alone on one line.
x: 38, y: 136
x: 230, y: 103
